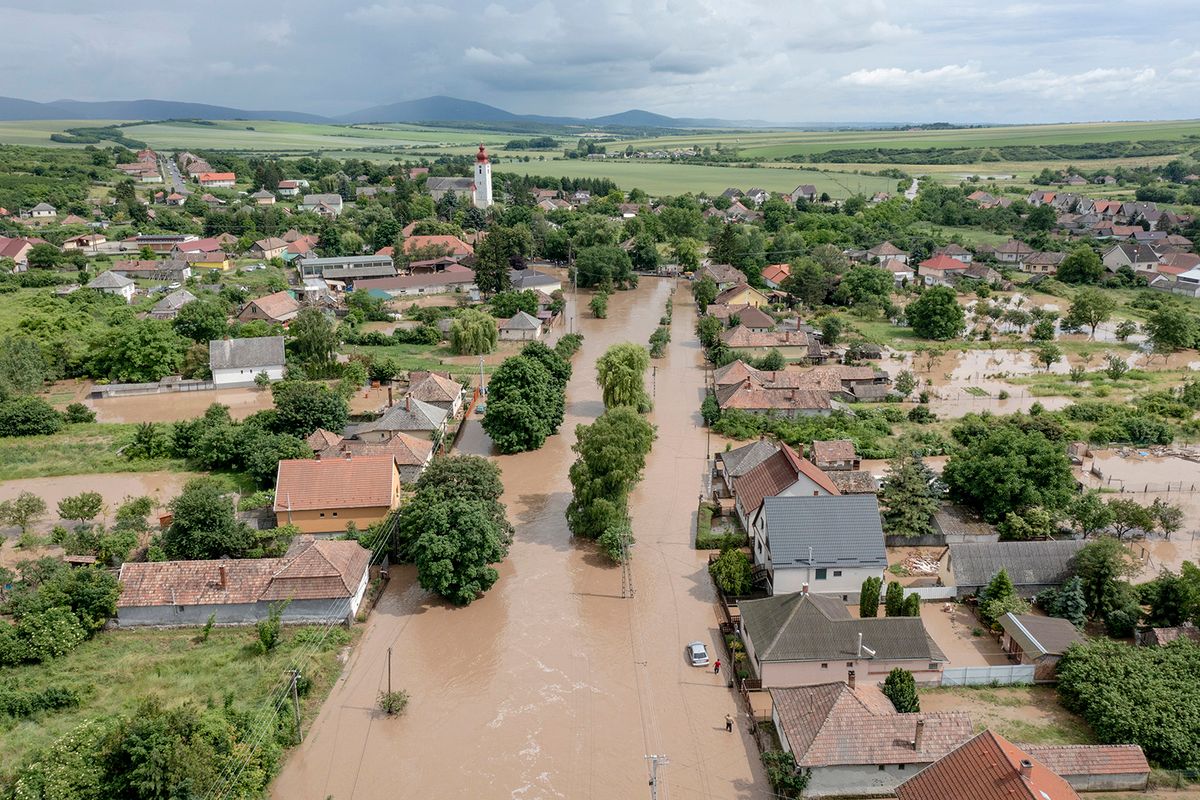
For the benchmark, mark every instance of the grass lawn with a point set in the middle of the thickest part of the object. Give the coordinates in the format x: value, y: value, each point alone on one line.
x: 115, y: 670
x: 76, y: 450
x: 1025, y: 714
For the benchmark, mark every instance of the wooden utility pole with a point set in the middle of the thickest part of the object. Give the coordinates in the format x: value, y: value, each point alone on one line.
x: 296, y: 704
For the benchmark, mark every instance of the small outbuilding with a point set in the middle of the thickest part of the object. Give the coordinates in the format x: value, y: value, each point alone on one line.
x: 521, y: 327
x: 112, y: 283
x: 1041, y: 641
x: 241, y: 361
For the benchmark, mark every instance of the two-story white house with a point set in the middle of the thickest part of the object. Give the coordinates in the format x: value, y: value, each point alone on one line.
x: 827, y: 543
x: 784, y: 474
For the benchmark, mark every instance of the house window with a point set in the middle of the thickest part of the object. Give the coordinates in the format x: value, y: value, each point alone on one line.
x: 882, y: 767
x: 821, y: 573
x: 849, y: 663
x: 322, y: 513
x: 837, y: 573
x: 335, y: 513
x: 902, y: 768
x: 933, y: 665
x: 825, y: 666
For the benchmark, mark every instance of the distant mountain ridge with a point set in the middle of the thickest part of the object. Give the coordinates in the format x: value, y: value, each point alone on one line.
x: 438, y: 108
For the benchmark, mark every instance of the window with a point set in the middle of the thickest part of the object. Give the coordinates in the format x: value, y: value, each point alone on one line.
x: 821, y: 573
x: 934, y: 665
x: 902, y: 768
x: 322, y: 513
x: 837, y: 573
x: 825, y: 666
x: 335, y: 513
x: 882, y: 767
x: 849, y: 663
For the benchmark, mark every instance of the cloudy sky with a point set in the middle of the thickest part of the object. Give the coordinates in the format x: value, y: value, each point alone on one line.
x: 777, y: 60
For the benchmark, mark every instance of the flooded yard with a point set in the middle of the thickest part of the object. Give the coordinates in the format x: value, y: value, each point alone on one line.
x: 552, y: 685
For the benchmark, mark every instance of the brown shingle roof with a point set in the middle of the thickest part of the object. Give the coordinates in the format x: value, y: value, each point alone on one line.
x: 1040, y: 636
x: 357, y: 482
x: 409, y: 451
x: 775, y: 474
x: 1090, y: 759
x: 434, y: 388
x: 886, y: 249
x: 741, y: 336
x: 278, y: 306
x: 854, y: 481
x: 750, y: 396
x: 988, y: 767
x: 736, y: 372
x: 835, y: 450
x: 324, y: 570
x: 320, y: 439
x: 831, y: 724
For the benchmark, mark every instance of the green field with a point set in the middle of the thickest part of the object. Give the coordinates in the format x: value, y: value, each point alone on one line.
x: 36, y: 133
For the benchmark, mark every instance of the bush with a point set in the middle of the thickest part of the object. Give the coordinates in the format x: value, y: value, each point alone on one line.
x: 393, y: 703
x: 901, y: 688
x: 785, y: 777
x: 16, y: 703
x: 78, y: 413
x: 269, y: 628
x: 29, y: 416
x: 732, y: 572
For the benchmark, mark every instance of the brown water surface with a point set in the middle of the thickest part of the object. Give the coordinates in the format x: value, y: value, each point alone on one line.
x: 552, y: 685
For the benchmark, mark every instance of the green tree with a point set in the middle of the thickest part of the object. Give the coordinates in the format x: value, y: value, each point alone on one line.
x: 704, y: 291
x: 203, y: 320
x: 862, y: 284
x: 1129, y: 515
x: 644, y: 255
x: 831, y: 329
x: 313, y: 340
x: 1089, y: 513
x: 139, y: 351
x: 1171, y: 328
x: 732, y: 572
x: 906, y: 382
x: 1125, y: 329
x: 1071, y: 604
x: 893, y: 602
x: 1167, y: 516
x: 28, y: 416
x: 473, y: 333
x: 910, y: 495
x: 610, y: 456
x: 1008, y: 469
x: 621, y: 375
x: 901, y: 688
x: 599, y: 305
x: 605, y: 265
x: 23, y: 368
x: 868, y: 597
x: 1042, y: 331
x: 83, y: 507
x: 1102, y: 565
x: 22, y: 511
x: 525, y: 405
x: 809, y: 282
x: 203, y: 523
x: 507, y: 303
x: 1049, y: 354
x: 936, y: 314
x: 303, y: 406
x: 1090, y: 308
x: 504, y: 248
x: 709, y: 330
x: 1082, y: 265
x: 912, y: 605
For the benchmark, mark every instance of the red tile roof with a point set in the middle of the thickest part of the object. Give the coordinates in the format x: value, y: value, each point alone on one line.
x: 1090, y: 759
x: 775, y: 273
x: 775, y: 474
x: 216, y: 176
x: 356, y: 482
x: 988, y: 767
x: 835, y: 450
x: 942, y: 262
x: 456, y: 245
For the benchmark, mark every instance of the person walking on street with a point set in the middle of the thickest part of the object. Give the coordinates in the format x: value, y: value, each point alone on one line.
x: 728, y: 724
x: 717, y: 667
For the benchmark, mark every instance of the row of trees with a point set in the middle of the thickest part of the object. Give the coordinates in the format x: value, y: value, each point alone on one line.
x: 894, y: 602
x: 527, y: 398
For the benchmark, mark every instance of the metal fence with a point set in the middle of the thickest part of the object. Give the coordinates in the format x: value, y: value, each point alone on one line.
x: 1008, y: 675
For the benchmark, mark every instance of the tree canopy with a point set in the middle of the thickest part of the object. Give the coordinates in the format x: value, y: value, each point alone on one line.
x: 621, y: 373
x: 473, y: 333
x: 1009, y: 469
x: 936, y: 314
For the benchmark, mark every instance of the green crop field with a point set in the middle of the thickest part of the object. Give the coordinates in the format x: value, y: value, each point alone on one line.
x: 36, y: 133
x: 657, y: 177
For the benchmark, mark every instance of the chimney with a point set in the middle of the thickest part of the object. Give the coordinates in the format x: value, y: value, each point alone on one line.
x: 389, y: 394
x: 346, y: 454
x: 407, y: 405
x: 919, y: 734
x: 1026, y: 768
x: 224, y: 576
x: 858, y: 652
x: 850, y: 680
x: 804, y: 588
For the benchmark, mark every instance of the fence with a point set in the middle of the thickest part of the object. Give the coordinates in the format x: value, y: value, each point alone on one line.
x: 933, y: 592
x: 985, y: 676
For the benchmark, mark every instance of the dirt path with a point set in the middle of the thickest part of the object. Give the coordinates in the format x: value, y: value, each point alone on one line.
x: 552, y: 685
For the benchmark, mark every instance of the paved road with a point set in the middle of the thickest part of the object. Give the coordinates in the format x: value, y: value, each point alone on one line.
x: 173, y: 176
x: 552, y: 685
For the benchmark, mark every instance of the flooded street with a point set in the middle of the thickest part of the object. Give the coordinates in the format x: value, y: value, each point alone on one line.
x: 552, y: 685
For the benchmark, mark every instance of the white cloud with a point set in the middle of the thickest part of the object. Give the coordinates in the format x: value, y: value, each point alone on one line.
x: 896, y: 78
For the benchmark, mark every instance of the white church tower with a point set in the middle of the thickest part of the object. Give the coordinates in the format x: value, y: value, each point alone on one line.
x: 483, y: 179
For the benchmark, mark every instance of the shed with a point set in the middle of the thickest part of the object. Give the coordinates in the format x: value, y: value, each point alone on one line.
x: 1037, y: 640
x: 1033, y: 566
x: 240, y: 361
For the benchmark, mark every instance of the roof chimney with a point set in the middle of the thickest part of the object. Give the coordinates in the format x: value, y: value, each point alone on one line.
x: 919, y: 734
x: 389, y: 394
x: 407, y: 405
x: 346, y: 454
x: 1026, y: 768
x: 804, y: 588
x: 224, y: 573
x: 850, y: 679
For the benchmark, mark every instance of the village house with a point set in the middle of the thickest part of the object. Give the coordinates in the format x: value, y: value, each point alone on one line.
x: 278, y: 307
x: 784, y: 473
x: 263, y: 198
x: 843, y: 381
x: 769, y: 400
x: 322, y: 496
x: 889, y: 251
x: 732, y: 464
x: 520, y: 327
x: 290, y: 188
x: 112, y: 283
x: 451, y: 246
x: 1043, y: 263
x: 347, y: 269
x: 326, y: 205
x: 775, y: 274
x: 237, y: 362
x: 411, y: 416
x: 820, y: 539
x: 940, y: 270
x: 455, y: 278
x: 268, y: 248
x: 805, y: 191
x: 989, y: 767
x: 152, y: 269
x: 1038, y: 640
x: 411, y: 453
x: 1137, y: 256
x: 437, y: 389
x: 87, y: 241
x: 834, y: 455
x: 216, y: 180
x: 852, y: 742
x: 17, y: 249
x: 902, y: 273
x: 323, y: 583
x: 791, y: 344
x: 1033, y: 566
x: 168, y: 307
x: 723, y: 275
x: 955, y: 251
x: 1013, y: 252
x: 42, y: 211
x: 742, y: 294
x: 531, y: 279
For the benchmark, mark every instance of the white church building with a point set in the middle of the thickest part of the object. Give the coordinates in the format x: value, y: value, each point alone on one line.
x: 478, y: 188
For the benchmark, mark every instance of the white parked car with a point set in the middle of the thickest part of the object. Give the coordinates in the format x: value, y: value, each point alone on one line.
x: 697, y: 654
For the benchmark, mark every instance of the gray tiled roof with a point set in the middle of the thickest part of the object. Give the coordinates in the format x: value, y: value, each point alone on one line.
x: 174, y: 301
x: 1027, y: 563
x: 409, y: 415
x: 262, y: 351
x: 842, y: 530
x: 809, y: 627
x: 531, y: 279
x: 741, y: 460
x: 521, y: 321
x: 110, y: 280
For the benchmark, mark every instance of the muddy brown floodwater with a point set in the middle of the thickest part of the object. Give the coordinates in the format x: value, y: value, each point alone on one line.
x: 552, y: 685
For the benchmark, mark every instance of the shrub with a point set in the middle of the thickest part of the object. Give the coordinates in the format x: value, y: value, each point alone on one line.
x: 268, y: 629
x: 393, y: 703
x: 901, y: 688
x: 29, y: 416
x: 16, y: 703
x: 78, y: 413
x: 785, y: 777
x: 732, y: 572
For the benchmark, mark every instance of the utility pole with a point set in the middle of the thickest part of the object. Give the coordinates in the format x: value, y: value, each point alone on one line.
x: 626, y: 570
x: 296, y: 704
x: 482, y: 387
x: 655, y: 762
x: 654, y: 381
x: 389, y: 670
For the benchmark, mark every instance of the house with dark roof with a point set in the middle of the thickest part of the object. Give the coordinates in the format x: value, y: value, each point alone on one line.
x: 521, y: 327
x: 783, y: 472
x: 239, y: 361
x: 112, y: 283
x: 411, y: 416
x: 1038, y: 640
x: 854, y: 481
x: 733, y: 464
x: 168, y: 307
x: 805, y: 639
x: 1137, y: 256
x: 1043, y: 263
x: 853, y: 743
x: 887, y: 250
x: 454, y: 278
x: 412, y: 454
x: 955, y: 251
x: 805, y: 191
x: 1033, y: 566
x: 323, y: 583
x: 270, y: 247
x: 324, y: 495
x: 820, y: 540
x: 522, y: 279
x: 769, y: 400
x: 723, y: 275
